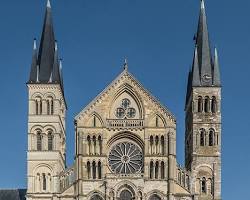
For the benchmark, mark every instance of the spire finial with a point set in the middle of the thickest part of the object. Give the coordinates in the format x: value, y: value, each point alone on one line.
x: 48, y: 4
x: 202, y: 4
x: 125, y: 64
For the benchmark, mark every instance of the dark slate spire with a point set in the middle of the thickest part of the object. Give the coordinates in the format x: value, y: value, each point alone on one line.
x: 33, y: 71
x: 203, y: 49
x: 216, y: 71
x: 45, y: 63
x: 47, y: 47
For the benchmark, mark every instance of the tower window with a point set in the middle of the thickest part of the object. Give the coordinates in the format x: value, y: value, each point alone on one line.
x: 162, y: 170
x: 214, y: 104
x: 44, y: 181
x: 206, y: 105
x: 203, y: 185
x: 151, y: 170
x: 88, y: 169
x: 200, y: 104
x: 99, y: 170
x: 39, y: 141
x: 94, y: 170
x: 211, y: 137
x: 50, y: 141
x: 162, y: 145
x: 156, y: 170
x: 202, y: 137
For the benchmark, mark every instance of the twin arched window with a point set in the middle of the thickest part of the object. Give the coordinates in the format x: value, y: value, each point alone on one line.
x: 39, y: 141
x: 211, y: 137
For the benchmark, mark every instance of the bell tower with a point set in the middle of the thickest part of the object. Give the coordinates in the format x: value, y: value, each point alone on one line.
x: 46, y: 117
x: 203, y: 117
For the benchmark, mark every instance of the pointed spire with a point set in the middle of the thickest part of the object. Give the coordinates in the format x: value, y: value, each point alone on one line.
x: 125, y: 65
x: 203, y: 49
x: 33, y: 71
x: 48, y: 4
x: 47, y: 47
x: 195, y: 70
x: 216, y: 71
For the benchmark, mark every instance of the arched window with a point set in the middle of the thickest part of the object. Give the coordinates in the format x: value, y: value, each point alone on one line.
x: 94, y: 143
x: 206, y: 104
x: 39, y: 141
x: 203, y: 185
x: 50, y: 141
x: 99, y: 170
x: 151, y: 144
x: 202, y: 137
x: 125, y: 195
x: 162, y: 145
x: 94, y: 121
x: 157, y: 144
x: 211, y: 137
x: 154, y: 197
x: 156, y: 121
x: 44, y: 181
x: 162, y: 170
x: 94, y: 169
x: 96, y: 197
x: 140, y: 195
x: 156, y: 170
x: 37, y: 107
x: 89, y: 145
x: 100, y: 144
x: 213, y: 105
x: 88, y: 169
x: 50, y: 106
x: 151, y: 170
x: 200, y: 104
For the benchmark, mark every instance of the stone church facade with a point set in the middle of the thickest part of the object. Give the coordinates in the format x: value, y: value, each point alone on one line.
x: 125, y: 139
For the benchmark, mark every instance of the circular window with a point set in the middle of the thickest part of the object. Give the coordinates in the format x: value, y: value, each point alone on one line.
x: 131, y: 113
x: 126, y: 158
x: 120, y: 112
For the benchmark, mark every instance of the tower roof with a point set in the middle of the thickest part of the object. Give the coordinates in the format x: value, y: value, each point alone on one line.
x: 45, y: 63
x: 204, y: 72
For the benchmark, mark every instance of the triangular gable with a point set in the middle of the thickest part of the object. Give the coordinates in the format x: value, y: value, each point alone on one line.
x: 125, y: 75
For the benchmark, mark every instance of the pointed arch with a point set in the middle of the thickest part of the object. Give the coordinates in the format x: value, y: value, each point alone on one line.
x: 96, y: 120
x: 127, y: 89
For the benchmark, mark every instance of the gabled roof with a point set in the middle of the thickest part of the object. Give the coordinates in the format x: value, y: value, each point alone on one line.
x: 128, y: 75
x: 18, y: 194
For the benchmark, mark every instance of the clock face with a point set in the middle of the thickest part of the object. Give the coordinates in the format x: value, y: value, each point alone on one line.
x: 125, y: 110
x: 206, y: 78
x: 126, y: 158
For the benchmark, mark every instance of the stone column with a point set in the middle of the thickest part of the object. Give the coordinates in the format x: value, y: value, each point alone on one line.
x: 172, y: 164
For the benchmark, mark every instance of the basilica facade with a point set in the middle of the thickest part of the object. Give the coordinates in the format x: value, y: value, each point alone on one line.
x: 125, y: 139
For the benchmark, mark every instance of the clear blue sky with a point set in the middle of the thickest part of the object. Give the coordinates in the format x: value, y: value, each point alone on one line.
x: 156, y: 36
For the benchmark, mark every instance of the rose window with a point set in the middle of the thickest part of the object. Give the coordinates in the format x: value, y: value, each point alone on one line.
x: 126, y: 158
x: 125, y: 110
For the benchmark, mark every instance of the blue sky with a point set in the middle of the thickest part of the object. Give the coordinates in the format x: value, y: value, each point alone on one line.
x: 95, y: 36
